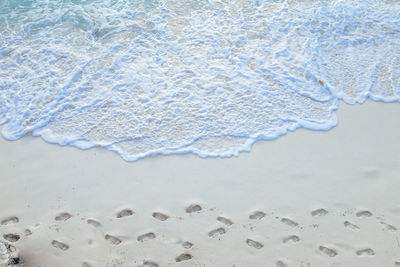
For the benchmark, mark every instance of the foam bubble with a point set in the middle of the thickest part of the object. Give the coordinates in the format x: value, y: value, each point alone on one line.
x: 160, y: 77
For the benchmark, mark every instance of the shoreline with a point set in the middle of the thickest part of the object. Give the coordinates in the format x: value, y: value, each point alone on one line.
x: 349, y: 169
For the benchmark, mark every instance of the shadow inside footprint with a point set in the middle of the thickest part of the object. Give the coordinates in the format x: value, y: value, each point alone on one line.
x: 113, y: 240
x: 389, y: 227
x: 124, y: 213
x: 292, y: 238
x: 254, y: 244
x: 146, y: 237
x: 328, y: 251
x: 289, y: 222
x: 319, y: 212
x: 216, y: 232
x: 183, y: 257
x: 257, y: 215
x: 63, y: 216
x: 225, y: 221
x: 351, y: 226
x: 94, y: 223
x: 59, y: 245
x: 150, y: 264
x: 10, y: 220
x: 11, y: 237
x: 27, y: 232
x: 364, y: 213
x: 160, y: 216
x: 367, y: 251
x: 193, y: 208
x: 187, y: 244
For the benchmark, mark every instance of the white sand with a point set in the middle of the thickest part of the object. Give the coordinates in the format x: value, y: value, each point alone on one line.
x: 352, y: 168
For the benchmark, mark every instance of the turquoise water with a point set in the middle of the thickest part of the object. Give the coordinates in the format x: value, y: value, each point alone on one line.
x: 208, y: 77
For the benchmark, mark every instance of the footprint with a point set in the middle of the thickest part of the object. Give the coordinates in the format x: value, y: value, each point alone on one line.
x: 124, y: 213
x: 146, y: 237
x: 27, y: 232
x: 193, y: 208
x: 114, y: 240
x: 328, y: 251
x: 367, y: 251
x: 351, y: 226
x: 280, y: 264
x: 94, y: 223
x: 183, y: 257
x: 10, y: 220
x: 292, y: 238
x: 224, y: 220
x: 289, y: 222
x: 187, y: 244
x: 160, y: 216
x: 85, y: 264
x: 63, y: 216
x: 319, y: 212
x: 150, y: 264
x: 11, y: 237
x: 254, y: 244
x: 389, y: 227
x: 216, y: 232
x: 257, y: 215
x: 364, y: 213
x: 59, y: 245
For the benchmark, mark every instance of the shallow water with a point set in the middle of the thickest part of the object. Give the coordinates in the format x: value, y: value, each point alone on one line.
x: 208, y: 77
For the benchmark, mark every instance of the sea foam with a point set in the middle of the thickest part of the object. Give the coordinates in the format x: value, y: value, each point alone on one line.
x: 208, y: 77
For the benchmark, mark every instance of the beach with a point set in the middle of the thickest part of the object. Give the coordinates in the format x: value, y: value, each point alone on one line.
x: 309, y: 198
x: 199, y: 133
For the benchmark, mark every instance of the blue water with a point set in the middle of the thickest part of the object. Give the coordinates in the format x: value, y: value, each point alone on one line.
x: 175, y: 76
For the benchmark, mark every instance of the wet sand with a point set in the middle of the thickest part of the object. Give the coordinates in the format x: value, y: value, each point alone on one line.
x: 306, y: 199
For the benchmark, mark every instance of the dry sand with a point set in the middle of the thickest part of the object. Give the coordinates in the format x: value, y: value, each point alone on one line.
x: 306, y: 199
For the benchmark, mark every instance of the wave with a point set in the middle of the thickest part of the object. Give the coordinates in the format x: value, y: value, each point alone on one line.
x: 208, y: 77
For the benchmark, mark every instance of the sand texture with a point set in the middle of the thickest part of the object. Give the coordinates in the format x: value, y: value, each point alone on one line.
x: 309, y: 198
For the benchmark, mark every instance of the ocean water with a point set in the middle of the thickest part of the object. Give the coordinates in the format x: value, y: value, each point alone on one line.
x: 174, y: 76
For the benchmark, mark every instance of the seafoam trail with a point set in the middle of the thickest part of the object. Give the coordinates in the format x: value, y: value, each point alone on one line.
x: 209, y: 77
